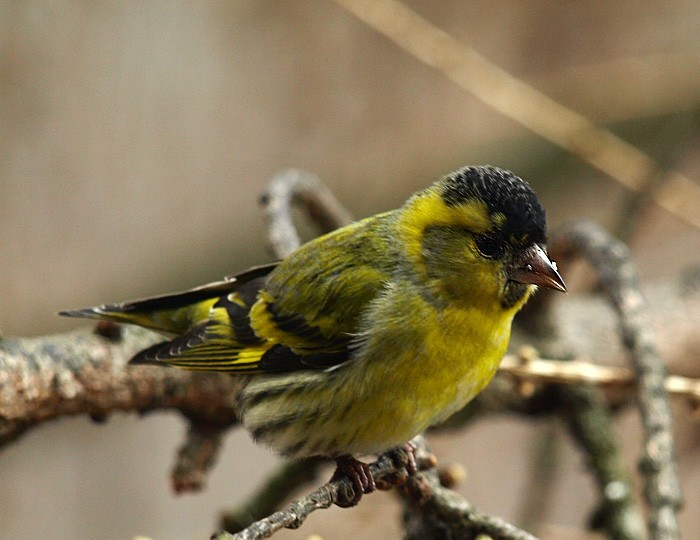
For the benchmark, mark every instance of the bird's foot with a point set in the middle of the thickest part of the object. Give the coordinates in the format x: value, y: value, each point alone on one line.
x: 410, y: 450
x: 404, y: 460
x: 359, y: 474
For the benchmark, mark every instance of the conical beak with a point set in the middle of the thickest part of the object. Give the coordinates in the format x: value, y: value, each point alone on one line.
x: 533, y: 266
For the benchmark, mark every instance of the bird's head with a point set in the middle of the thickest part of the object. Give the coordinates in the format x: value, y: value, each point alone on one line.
x: 478, y: 236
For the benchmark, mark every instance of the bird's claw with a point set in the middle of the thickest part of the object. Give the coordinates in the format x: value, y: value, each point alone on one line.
x: 359, y: 474
x: 411, y: 464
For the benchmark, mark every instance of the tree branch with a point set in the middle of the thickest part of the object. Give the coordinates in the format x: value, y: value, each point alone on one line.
x: 421, y: 491
x: 618, y: 278
x: 388, y: 470
x: 299, y: 186
x: 196, y: 456
x: 526, y: 367
x: 83, y: 372
x: 591, y: 428
x: 287, y: 478
x: 432, y: 511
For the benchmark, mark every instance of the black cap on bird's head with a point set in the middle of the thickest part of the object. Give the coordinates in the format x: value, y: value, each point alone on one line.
x: 519, y: 217
x: 504, y: 194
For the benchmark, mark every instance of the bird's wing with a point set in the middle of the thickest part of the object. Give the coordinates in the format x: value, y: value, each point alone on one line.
x: 304, y: 315
x: 249, y: 331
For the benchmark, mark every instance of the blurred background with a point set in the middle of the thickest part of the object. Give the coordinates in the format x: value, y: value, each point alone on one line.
x: 136, y: 139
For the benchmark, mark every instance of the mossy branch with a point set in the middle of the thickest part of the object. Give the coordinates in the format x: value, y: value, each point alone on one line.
x: 618, y: 278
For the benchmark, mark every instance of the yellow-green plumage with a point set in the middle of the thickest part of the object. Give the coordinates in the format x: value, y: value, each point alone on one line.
x: 367, y: 336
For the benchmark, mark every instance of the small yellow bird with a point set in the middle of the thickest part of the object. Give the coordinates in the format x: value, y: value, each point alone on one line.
x: 366, y: 336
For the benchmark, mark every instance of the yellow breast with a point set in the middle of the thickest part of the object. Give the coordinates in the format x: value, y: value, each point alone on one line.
x: 416, y: 367
x: 427, y: 382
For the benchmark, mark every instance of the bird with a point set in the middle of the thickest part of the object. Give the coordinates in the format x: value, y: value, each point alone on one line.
x: 366, y: 336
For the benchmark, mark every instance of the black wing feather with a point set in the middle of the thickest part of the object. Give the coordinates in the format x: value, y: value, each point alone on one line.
x: 198, y: 294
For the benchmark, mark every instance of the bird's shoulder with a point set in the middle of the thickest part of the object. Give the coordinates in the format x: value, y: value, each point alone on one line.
x: 317, y: 296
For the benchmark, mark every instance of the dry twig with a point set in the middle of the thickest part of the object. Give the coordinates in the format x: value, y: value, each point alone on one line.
x: 290, y: 476
x: 340, y: 492
x: 527, y: 367
x: 298, y: 186
x: 618, y: 278
x: 433, y: 511
x: 421, y: 491
x: 529, y: 107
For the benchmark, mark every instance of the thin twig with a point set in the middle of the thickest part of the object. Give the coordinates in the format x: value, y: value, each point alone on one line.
x: 291, y: 517
x: 590, y: 425
x: 289, y: 476
x: 422, y: 491
x: 196, y: 456
x: 524, y: 104
x: 434, y: 511
x: 298, y: 186
x: 528, y: 368
x: 465, y: 521
x: 618, y: 278
x: 588, y: 420
x: 387, y: 471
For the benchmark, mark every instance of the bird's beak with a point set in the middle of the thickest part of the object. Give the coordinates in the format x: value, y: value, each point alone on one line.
x: 533, y: 266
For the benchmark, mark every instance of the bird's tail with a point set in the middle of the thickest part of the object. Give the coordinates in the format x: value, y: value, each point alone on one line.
x: 174, y: 313
x: 178, y: 312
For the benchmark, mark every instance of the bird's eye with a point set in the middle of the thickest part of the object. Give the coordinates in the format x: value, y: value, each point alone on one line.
x: 490, y: 246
